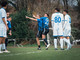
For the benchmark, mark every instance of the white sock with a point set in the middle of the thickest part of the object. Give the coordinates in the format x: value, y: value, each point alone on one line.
x: 55, y: 43
x: 68, y: 40
x: 3, y: 46
x: 65, y: 40
x: 61, y: 43
x: 0, y: 47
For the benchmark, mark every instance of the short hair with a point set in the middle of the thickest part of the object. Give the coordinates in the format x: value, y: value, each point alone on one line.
x: 57, y: 9
x: 47, y: 14
x: 4, y: 3
x: 66, y: 11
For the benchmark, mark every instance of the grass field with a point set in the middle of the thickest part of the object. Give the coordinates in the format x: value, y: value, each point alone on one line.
x: 31, y: 53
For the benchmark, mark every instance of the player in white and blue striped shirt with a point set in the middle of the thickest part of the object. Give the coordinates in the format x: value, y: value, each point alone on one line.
x: 67, y: 29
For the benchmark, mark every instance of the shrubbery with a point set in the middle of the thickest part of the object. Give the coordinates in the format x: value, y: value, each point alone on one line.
x: 20, y: 25
x: 76, y: 33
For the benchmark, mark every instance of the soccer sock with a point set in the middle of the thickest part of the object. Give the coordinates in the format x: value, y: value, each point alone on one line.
x: 0, y: 47
x: 65, y: 40
x: 39, y: 46
x: 61, y: 43
x: 55, y: 43
x: 3, y: 46
x: 6, y: 43
x: 68, y: 45
x: 45, y: 40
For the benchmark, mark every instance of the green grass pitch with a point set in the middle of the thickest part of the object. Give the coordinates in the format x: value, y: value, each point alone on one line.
x: 31, y: 53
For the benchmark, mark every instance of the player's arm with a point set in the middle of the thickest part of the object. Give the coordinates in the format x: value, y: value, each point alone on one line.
x: 31, y: 18
x: 35, y: 16
x: 3, y: 18
x: 10, y: 32
x: 5, y: 23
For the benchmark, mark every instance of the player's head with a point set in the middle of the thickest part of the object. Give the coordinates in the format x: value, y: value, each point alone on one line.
x: 8, y: 14
x: 4, y: 4
x: 57, y: 10
x: 65, y: 12
x: 46, y: 15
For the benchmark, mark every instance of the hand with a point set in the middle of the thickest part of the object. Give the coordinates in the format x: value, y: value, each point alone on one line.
x: 34, y: 16
x: 27, y: 17
x: 10, y: 34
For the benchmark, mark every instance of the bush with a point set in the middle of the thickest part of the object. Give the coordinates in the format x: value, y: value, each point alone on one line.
x: 76, y: 33
x: 20, y: 25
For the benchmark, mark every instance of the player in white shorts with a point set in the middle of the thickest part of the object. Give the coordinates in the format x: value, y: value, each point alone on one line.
x: 67, y: 29
x: 56, y: 21
x: 3, y: 26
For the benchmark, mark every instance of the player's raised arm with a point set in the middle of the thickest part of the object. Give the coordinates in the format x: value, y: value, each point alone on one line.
x: 31, y: 18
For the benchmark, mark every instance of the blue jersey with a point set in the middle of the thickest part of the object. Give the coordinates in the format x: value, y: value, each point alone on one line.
x: 39, y: 24
x: 45, y: 22
x: 9, y: 24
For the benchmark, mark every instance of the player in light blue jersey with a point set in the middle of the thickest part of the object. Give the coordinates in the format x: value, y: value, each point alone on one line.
x: 67, y: 29
x: 3, y: 26
x: 56, y: 21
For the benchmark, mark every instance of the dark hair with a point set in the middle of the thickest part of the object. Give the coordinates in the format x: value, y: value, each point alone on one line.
x: 66, y: 11
x: 4, y: 3
x: 47, y: 14
x: 57, y: 9
x: 40, y: 15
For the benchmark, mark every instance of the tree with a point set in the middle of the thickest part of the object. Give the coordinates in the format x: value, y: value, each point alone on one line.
x: 65, y: 4
x: 20, y: 25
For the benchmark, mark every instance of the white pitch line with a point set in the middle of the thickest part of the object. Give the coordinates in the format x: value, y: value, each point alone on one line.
x: 21, y: 53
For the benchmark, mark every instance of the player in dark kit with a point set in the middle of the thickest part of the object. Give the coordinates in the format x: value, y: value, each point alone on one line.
x: 43, y: 29
x: 39, y: 34
x: 45, y: 24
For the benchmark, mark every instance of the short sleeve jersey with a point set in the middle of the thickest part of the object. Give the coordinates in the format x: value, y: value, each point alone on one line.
x: 67, y: 21
x: 57, y: 19
x: 45, y: 22
x: 39, y: 24
x: 3, y: 15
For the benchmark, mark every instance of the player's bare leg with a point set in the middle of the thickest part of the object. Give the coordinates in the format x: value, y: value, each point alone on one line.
x: 38, y: 43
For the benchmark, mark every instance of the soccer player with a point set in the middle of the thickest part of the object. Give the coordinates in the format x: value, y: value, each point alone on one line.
x: 67, y: 29
x: 45, y: 25
x: 9, y: 26
x: 39, y: 34
x: 43, y: 29
x: 56, y: 21
x: 3, y: 26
